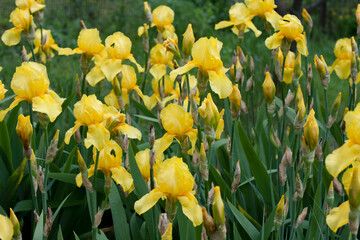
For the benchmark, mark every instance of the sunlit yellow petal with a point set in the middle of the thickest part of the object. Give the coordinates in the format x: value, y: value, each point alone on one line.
x: 50, y: 104
x: 122, y: 177
x: 273, y: 18
x: 338, y: 216
x: 131, y: 131
x: 301, y: 45
x: 94, y: 76
x: 66, y: 51
x: 274, y: 41
x: 148, y: 201
x: 110, y: 68
x: 168, y: 233
x: 97, y: 135
x: 220, y: 126
x: 3, y: 113
x: 150, y: 102
x: 181, y: 70
x: 12, y: 36
x: 192, y: 134
x: 342, y: 157
x: 220, y: 83
x: 139, y: 67
x: 71, y: 132
x: 6, y: 230
x: 191, y: 208
x: 158, y: 70
x: 163, y: 143
x: 223, y: 24
x: 343, y: 68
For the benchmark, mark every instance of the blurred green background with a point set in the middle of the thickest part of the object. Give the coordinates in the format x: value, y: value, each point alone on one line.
x: 333, y: 19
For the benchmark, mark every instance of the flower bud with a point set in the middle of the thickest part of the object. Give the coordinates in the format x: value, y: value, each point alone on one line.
x: 196, y: 159
x: 311, y: 131
x: 228, y: 146
x: 48, y: 223
x: 300, y: 116
x: 330, y: 194
x: 279, y: 213
x: 172, y: 46
x: 51, y: 152
x: 309, y: 79
x: 354, y: 71
x: 334, y: 110
x: 323, y: 70
x: 16, y: 225
x: 235, y: 102
x: 252, y: 66
x: 301, y: 217
x: 84, y: 172
x: 147, y: 11
x: 269, y: 88
x: 203, y: 163
x: 24, y: 55
x: 250, y: 84
x: 237, y: 175
x: 211, y: 194
x: 194, y: 109
x: 241, y: 56
x: 299, y: 187
x: 40, y: 180
x: 188, y: 41
x: 288, y: 99
x: 298, y: 96
x: 338, y: 187
x: 307, y: 18
x: 275, y: 139
x: 318, y: 151
x: 152, y: 135
x: 24, y: 130
x: 98, y: 217
x: 282, y: 170
x: 209, y: 222
x: 279, y: 58
x: 218, y: 207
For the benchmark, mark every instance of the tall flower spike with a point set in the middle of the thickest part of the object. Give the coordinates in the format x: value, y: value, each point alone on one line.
x: 345, y: 155
x: 175, y: 183
x: 206, y: 57
x: 31, y: 83
x: 290, y: 29
x: 179, y: 125
x: 240, y: 19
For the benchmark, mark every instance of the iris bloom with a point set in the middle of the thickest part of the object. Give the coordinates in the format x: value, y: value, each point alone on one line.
x: 175, y: 183
x: 117, y: 49
x: 160, y: 58
x: 3, y: 90
x: 290, y: 29
x: 163, y: 16
x: 45, y: 50
x: 206, y: 57
x: 343, y: 53
x: 179, y: 125
x: 23, y: 22
x: 240, y: 19
x: 339, y: 216
x: 115, y: 123
x: 289, y: 67
x: 89, y: 43
x: 214, y: 121
x: 32, y: 5
x: 264, y: 9
x: 31, y: 83
x: 128, y: 83
x: 345, y: 155
x: 110, y: 159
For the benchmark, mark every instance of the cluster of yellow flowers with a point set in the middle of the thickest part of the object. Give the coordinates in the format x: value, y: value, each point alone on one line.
x: 185, y: 107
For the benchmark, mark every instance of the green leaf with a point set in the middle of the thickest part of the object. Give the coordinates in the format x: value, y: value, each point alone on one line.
x: 39, y: 229
x: 142, y: 108
x: 220, y: 181
x: 6, y: 147
x: 24, y: 206
x: 64, y: 177
x: 186, y: 228
x: 69, y: 160
x: 244, y: 222
x: 121, y: 227
x: 261, y: 176
x: 134, y: 228
x: 12, y: 119
x: 76, y: 236
x: 60, y: 235
x: 268, y: 226
x: 316, y: 216
x: 60, y: 206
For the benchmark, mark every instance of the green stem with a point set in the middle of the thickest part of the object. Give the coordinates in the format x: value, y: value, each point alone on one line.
x: 32, y: 50
x: 252, y: 107
x: 44, y: 195
x: 33, y: 194
x: 188, y: 92
x: 145, y: 72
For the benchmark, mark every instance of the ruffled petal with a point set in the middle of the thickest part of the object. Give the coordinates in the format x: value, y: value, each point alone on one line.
x: 148, y: 200
x: 122, y: 177
x: 7, y: 230
x: 181, y: 70
x: 191, y: 208
x: 220, y: 83
x: 163, y: 143
x: 11, y: 37
x: 274, y: 41
x: 36, y: 7
x: 49, y: 103
x: 192, y: 134
x: 94, y: 76
x: 342, y: 157
x: 273, y: 18
x: 158, y: 70
x: 71, y: 132
x: 223, y: 24
x: 338, y: 216
x: 343, y: 68
x: 3, y: 113
x: 301, y: 45
x: 131, y: 131
x: 97, y: 135
x: 110, y: 68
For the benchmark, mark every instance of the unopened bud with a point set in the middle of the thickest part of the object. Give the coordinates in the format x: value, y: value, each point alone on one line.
x: 275, y: 139
x: 307, y: 18
x: 194, y: 109
x: 98, y: 217
x: 279, y: 213
x: 318, y: 151
x: 299, y: 95
x: 196, y: 159
x: 299, y: 187
x: 152, y: 156
x: 282, y: 171
x: 152, y: 135
x: 188, y: 41
x: 301, y: 217
x: 51, y: 152
x: 300, y: 116
x: 289, y: 98
x: 218, y: 207
x: 252, y: 66
x: 269, y: 88
x: 40, y: 180
x: 353, y: 68
x: 172, y: 47
x: 338, y: 187
x: 203, y: 163
x: 147, y: 11
x: 24, y: 55
x: 163, y: 223
x: 209, y: 222
x: 24, y: 130
x: 228, y: 146
x: 236, y: 179
x: 250, y: 84
x: 330, y: 195
x: 311, y: 131
x: 241, y: 56
x: 323, y: 70
x: 211, y: 194
x: 82, y: 24
x: 84, y: 172
x: 48, y: 223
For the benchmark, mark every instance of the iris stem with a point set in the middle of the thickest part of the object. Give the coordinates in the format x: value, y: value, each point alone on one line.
x: 188, y: 92
x: 33, y: 193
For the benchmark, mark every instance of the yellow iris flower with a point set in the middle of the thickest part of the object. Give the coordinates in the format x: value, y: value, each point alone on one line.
x: 206, y: 57
x: 45, y: 50
x: 264, y: 9
x: 240, y: 19
x: 31, y: 83
x: 343, y: 53
x: 24, y: 130
x: 89, y: 43
x: 214, y: 122
x: 128, y: 83
x: 163, y: 16
x: 179, y: 125
x: 269, y: 88
x: 116, y: 122
x: 289, y: 67
x: 290, y: 29
x: 3, y: 90
x: 339, y: 216
x: 345, y: 155
x: 117, y: 49
x: 174, y: 182
x: 31, y: 5
x: 160, y: 58
x: 23, y: 22
x: 10, y: 227
x: 110, y: 159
